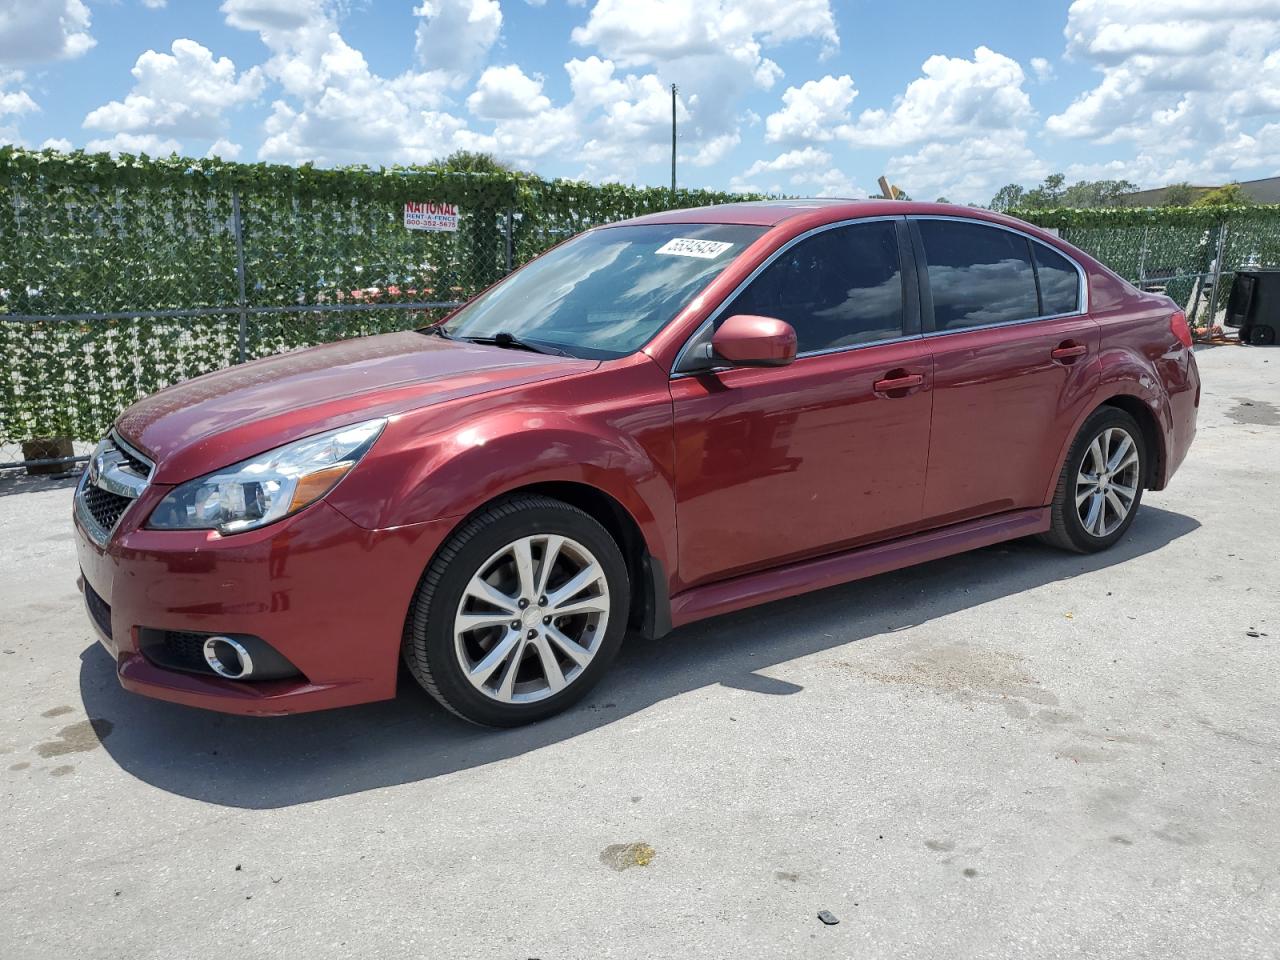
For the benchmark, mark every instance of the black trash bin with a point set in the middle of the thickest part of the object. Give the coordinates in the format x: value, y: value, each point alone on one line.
x: 1254, y: 305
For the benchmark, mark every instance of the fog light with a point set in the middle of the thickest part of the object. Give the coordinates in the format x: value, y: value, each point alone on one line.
x: 228, y: 658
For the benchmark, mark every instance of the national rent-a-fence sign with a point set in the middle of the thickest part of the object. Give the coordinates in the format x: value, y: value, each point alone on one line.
x: 431, y: 216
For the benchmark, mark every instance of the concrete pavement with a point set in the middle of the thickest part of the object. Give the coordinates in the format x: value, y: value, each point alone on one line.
x: 1012, y: 753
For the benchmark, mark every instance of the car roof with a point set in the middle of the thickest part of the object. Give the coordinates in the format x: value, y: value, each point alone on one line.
x: 770, y: 213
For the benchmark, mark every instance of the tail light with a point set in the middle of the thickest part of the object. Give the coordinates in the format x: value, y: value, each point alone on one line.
x: 1178, y: 324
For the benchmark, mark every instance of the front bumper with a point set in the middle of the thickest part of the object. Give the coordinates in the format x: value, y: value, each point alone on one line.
x: 329, y: 595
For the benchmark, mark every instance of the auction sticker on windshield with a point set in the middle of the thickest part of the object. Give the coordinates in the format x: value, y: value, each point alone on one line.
x: 431, y: 216
x: 687, y: 247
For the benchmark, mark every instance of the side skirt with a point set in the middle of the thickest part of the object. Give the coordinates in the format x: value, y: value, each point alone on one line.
x: 789, y: 581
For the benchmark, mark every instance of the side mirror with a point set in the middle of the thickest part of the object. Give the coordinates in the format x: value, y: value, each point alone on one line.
x: 744, y: 340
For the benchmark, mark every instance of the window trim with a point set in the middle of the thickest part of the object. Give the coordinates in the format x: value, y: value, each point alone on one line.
x: 912, y: 314
x: 926, y: 295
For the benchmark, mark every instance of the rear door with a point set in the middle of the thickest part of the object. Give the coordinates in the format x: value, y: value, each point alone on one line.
x: 777, y: 464
x: 1014, y: 355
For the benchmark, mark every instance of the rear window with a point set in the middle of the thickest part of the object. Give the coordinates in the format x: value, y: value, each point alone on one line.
x: 1059, y: 282
x: 978, y: 274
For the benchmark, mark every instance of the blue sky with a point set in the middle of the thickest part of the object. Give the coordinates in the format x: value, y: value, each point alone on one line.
x: 794, y: 96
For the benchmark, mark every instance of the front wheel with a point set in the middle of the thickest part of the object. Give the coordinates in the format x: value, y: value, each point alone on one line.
x: 520, y: 613
x: 1100, y: 488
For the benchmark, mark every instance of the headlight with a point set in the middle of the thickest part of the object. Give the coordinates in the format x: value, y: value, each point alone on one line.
x: 268, y: 487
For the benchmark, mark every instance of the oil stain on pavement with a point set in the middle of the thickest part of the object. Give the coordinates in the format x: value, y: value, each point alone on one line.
x: 1255, y: 412
x: 76, y: 738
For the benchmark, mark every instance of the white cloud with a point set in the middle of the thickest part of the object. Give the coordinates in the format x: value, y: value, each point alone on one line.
x: 334, y: 108
x: 33, y: 31
x: 57, y: 143
x: 954, y: 98
x: 16, y: 102
x: 185, y: 93
x: 154, y: 4
x: 147, y: 143
x: 272, y: 14
x: 224, y: 149
x: 1042, y: 69
x: 807, y: 157
x: 455, y: 35
x: 635, y: 32
x: 715, y: 149
x: 714, y: 50
x: 815, y: 111
x: 967, y: 171
x: 506, y: 93
x: 1174, y: 73
x: 810, y: 170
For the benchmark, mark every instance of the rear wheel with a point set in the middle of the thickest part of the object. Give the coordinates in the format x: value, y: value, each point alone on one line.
x: 1262, y: 336
x: 520, y: 613
x: 1100, y: 488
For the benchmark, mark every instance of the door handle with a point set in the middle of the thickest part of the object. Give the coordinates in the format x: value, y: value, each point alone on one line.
x: 898, y: 383
x: 1067, y: 352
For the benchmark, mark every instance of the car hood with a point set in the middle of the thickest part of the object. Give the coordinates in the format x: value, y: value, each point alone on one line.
x: 224, y: 417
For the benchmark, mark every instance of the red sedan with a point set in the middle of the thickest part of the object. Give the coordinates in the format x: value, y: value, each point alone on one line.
x: 657, y: 421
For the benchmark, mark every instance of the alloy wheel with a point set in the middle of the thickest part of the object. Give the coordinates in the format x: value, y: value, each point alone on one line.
x: 1107, y: 481
x: 531, y: 619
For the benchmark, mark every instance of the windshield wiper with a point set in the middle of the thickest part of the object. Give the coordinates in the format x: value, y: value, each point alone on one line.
x: 510, y: 341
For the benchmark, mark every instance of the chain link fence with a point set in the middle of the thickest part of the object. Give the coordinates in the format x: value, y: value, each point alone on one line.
x: 121, y: 276
x: 1191, y: 255
x: 118, y: 278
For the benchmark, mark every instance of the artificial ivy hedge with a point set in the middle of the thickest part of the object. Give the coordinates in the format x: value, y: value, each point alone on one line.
x: 95, y: 234
x: 1140, y: 244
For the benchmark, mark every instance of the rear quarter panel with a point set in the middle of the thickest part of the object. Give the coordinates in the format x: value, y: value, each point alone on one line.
x: 1141, y: 357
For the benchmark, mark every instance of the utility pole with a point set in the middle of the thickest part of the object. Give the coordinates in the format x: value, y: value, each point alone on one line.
x: 673, y: 141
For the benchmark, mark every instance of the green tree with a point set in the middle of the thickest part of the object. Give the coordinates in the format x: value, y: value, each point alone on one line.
x: 1230, y: 195
x: 1179, y: 195
x: 472, y: 161
x: 1047, y: 195
x: 1091, y: 194
x: 1008, y: 197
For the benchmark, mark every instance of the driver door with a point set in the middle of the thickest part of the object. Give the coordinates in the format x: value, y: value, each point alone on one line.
x: 779, y: 464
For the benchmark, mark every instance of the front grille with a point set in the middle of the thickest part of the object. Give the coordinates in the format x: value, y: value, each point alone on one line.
x: 104, y: 506
x: 99, y: 609
x: 133, y: 462
x: 117, y: 476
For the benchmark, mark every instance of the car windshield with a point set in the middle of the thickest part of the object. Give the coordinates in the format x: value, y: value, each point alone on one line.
x: 605, y: 293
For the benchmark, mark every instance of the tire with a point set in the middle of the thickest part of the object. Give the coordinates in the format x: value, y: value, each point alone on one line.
x: 1085, y: 513
x: 1262, y: 336
x: 483, y: 656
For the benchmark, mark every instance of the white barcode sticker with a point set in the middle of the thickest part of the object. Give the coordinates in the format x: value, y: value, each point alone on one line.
x: 687, y: 247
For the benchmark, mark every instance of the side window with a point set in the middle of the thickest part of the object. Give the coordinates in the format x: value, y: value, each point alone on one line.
x: 1059, y: 282
x: 838, y: 288
x: 977, y: 274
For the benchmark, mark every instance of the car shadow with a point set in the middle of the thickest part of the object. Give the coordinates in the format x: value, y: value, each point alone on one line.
x: 269, y: 763
x: 13, y: 482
